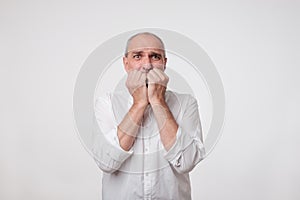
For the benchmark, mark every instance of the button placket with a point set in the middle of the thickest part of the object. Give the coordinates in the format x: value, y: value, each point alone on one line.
x: 147, y: 150
x: 147, y: 185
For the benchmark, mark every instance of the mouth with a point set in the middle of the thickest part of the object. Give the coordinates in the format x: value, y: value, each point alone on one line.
x: 146, y: 70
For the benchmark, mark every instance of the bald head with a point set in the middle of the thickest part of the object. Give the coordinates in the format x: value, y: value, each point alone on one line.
x: 144, y: 40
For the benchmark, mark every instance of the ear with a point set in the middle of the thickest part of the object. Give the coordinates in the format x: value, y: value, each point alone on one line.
x: 165, y: 63
x: 125, y: 63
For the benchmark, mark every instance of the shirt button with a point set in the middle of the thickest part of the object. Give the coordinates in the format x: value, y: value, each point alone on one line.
x: 177, y: 164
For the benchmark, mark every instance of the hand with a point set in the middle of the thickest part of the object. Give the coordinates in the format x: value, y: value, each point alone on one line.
x: 136, y: 85
x: 157, y: 84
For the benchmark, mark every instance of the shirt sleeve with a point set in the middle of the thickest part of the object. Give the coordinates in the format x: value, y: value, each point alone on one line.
x: 106, y: 149
x: 188, y: 149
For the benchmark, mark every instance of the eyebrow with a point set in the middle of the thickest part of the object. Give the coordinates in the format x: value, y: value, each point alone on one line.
x: 151, y: 52
x: 155, y: 53
x: 136, y: 52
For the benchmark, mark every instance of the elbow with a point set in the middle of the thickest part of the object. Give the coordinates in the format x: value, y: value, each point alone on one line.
x: 108, y: 170
x: 186, y: 167
x: 109, y: 159
x: 184, y: 170
x: 188, y: 159
x: 106, y: 167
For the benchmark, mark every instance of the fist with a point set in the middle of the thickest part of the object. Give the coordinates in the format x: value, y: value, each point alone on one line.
x: 157, y: 84
x: 136, y: 85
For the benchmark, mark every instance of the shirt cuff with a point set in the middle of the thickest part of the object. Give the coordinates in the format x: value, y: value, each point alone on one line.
x: 107, y: 150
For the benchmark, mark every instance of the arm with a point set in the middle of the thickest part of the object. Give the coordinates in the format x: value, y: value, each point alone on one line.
x: 183, y: 141
x: 188, y: 149
x: 128, y: 128
x: 106, y: 150
x: 113, y: 149
x: 166, y: 123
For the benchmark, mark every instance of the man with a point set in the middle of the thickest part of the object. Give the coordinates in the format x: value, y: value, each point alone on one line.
x: 153, y: 137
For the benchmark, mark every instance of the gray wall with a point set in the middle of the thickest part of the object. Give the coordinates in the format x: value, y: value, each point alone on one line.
x: 252, y: 43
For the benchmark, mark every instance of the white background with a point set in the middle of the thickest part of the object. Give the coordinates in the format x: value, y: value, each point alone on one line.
x: 254, y: 45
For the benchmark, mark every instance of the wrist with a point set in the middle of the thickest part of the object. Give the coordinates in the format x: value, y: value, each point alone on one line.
x: 159, y: 101
x: 140, y: 104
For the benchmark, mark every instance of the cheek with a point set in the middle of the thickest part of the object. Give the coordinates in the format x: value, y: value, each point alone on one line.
x: 134, y: 66
x: 159, y: 66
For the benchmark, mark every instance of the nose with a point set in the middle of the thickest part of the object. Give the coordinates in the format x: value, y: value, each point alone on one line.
x: 146, y: 60
x: 146, y: 64
x: 147, y: 67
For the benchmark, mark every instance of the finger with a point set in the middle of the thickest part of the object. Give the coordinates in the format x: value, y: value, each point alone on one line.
x: 131, y: 74
x: 158, y: 73
x: 143, y: 78
x: 163, y: 78
x: 161, y: 73
x: 157, y: 69
x: 131, y: 82
x: 152, y: 77
x: 136, y: 81
x: 132, y: 71
x: 157, y: 78
x: 135, y: 75
x: 141, y: 81
x: 138, y: 76
x: 129, y: 77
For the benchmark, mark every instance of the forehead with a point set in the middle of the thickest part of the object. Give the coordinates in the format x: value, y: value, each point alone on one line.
x: 146, y: 50
x: 145, y: 42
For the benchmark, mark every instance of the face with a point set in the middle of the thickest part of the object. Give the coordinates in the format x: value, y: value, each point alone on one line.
x: 145, y: 52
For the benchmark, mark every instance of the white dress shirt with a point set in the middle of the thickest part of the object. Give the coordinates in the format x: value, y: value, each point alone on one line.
x: 147, y: 170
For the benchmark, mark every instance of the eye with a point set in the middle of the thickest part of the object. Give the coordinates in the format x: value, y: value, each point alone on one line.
x: 156, y: 57
x: 136, y: 56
